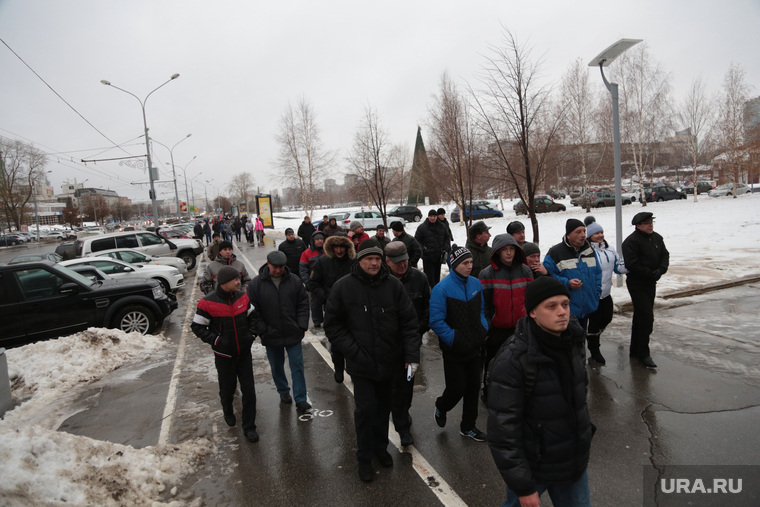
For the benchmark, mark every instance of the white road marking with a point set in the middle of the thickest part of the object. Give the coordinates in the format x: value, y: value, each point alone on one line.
x: 427, y: 473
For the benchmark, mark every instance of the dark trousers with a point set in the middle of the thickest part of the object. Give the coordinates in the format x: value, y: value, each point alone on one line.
x: 229, y: 372
x: 462, y: 382
x: 432, y: 269
x: 401, y: 399
x: 373, y: 406
x: 642, y: 297
x: 496, y: 338
x: 208, y: 238
x: 317, y: 300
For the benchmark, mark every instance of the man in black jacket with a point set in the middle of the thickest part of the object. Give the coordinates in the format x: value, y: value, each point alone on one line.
x: 223, y: 320
x: 646, y: 260
x: 292, y: 247
x: 416, y: 285
x: 371, y: 321
x: 412, y: 247
x: 539, y: 430
x: 432, y: 237
x: 305, y: 230
x: 281, y: 320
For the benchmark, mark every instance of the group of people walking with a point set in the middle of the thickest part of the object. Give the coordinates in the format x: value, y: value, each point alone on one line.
x: 512, y: 330
x: 231, y: 229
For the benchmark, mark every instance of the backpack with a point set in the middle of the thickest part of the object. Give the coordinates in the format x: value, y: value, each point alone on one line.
x: 529, y: 369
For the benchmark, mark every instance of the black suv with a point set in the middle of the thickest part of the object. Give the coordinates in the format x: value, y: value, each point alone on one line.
x: 408, y: 213
x: 40, y: 300
x: 659, y: 192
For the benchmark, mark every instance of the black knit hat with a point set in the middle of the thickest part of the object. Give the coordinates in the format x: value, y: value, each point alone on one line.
x: 432, y: 213
x: 543, y: 288
x: 441, y: 211
x: 530, y: 248
x: 397, y: 226
x: 369, y: 247
x: 458, y: 254
x: 226, y: 274
x: 514, y: 227
x: 225, y: 244
x: 289, y: 231
x: 572, y: 224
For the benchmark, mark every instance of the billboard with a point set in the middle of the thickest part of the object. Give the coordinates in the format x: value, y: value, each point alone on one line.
x: 264, y: 204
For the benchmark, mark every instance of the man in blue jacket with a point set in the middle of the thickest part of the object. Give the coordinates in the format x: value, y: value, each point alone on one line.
x: 573, y: 262
x: 457, y: 316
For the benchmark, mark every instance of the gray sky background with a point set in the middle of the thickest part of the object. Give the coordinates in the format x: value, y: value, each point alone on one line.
x: 240, y: 63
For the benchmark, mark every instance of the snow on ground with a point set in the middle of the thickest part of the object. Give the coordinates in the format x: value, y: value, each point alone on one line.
x: 39, y: 465
x: 712, y: 240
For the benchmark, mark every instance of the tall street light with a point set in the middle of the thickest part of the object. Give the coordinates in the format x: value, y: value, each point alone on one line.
x: 603, y: 60
x: 192, y: 190
x: 184, y: 173
x: 151, y: 173
x: 174, y: 172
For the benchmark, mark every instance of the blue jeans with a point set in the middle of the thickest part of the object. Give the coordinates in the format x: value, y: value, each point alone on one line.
x: 276, y: 356
x: 576, y: 494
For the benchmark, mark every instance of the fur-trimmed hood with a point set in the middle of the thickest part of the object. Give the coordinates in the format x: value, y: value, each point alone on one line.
x: 332, y: 241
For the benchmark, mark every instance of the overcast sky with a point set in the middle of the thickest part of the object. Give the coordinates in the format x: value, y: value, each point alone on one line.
x: 241, y: 62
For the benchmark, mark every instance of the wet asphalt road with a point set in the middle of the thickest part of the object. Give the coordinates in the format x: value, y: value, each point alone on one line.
x: 701, y: 406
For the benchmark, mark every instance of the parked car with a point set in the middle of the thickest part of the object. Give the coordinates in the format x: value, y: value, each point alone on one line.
x: 172, y: 234
x: 369, y: 219
x: 703, y: 187
x: 41, y: 300
x: 602, y: 198
x: 728, y: 189
x: 52, y: 257
x: 479, y: 212
x: 171, y: 279
x: 144, y: 241
x: 408, y: 213
x: 576, y: 192
x: 27, y: 237
x: 556, y: 194
x: 660, y: 192
x: 10, y: 240
x: 131, y: 256
x: 543, y: 204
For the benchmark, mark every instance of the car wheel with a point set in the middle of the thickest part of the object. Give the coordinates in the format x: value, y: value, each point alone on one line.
x: 627, y: 201
x: 189, y: 258
x: 682, y: 197
x: 659, y: 199
x: 164, y: 284
x: 135, y: 318
x: 417, y: 218
x: 600, y: 205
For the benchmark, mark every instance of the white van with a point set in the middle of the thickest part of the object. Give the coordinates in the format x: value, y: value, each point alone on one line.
x: 144, y: 241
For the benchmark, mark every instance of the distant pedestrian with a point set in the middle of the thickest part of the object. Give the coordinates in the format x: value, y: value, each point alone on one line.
x: 441, y: 214
x: 225, y: 258
x: 356, y: 233
x: 223, y: 320
x: 308, y: 258
x: 306, y: 229
x: 431, y: 235
x: 412, y: 247
x: 292, y: 247
x: 477, y: 243
x: 332, y: 227
x: 646, y: 260
x: 212, y: 251
x: 323, y: 223
x: 381, y: 236
x: 517, y: 230
x: 207, y: 232
x: 258, y: 230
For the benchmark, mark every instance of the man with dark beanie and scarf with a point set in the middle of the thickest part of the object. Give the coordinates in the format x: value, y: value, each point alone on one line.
x: 539, y: 431
x: 370, y: 319
x: 223, y: 319
x: 457, y: 317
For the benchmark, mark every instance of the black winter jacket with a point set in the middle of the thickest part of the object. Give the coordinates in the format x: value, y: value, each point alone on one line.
x: 328, y: 268
x: 543, y: 438
x: 432, y: 239
x: 646, y: 257
x: 293, y: 250
x: 282, y: 313
x: 372, y: 322
x: 305, y: 230
x: 223, y: 320
x: 417, y: 286
x: 412, y: 248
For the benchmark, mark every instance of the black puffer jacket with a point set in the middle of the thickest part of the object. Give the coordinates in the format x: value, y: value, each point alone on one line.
x: 293, y: 250
x: 432, y: 239
x: 412, y: 248
x: 646, y: 257
x: 328, y: 268
x: 371, y: 321
x: 545, y: 438
x: 282, y: 313
x: 417, y: 286
x: 223, y: 320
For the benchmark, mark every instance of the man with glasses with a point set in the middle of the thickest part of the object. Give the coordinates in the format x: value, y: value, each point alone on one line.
x: 646, y: 260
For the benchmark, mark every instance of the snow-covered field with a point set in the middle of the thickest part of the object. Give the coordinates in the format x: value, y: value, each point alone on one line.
x: 712, y: 240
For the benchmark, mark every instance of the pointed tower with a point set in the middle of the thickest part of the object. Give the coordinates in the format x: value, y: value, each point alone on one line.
x: 421, y: 184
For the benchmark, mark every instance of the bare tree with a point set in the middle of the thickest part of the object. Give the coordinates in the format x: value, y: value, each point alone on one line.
x: 456, y: 146
x: 379, y: 165
x: 695, y: 115
x: 730, y: 124
x: 644, y: 108
x: 241, y: 188
x: 21, y: 166
x: 516, y: 115
x: 303, y: 159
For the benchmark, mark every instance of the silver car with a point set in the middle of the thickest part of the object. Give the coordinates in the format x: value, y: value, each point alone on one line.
x: 136, y: 257
x: 170, y: 278
x: 368, y: 219
x: 728, y: 189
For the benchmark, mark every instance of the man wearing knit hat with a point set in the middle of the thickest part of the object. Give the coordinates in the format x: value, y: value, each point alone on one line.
x: 223, y: 319
x: 539, y: 430
x: 432, y: 237
x: 370, y: 319
x: 646, y: 259
x: 381, y: 236
x: 412, y: 247
x: 573, y: 262
x: 292, y: 247
x: 477, y: 244
x: 356, y: 233
x: 517, y: 230
x: 441, y: 214
x: 225, y: 258
x: 533, y: 259
x: 457, y: 317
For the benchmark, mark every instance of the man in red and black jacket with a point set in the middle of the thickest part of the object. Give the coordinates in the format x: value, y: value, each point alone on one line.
x: 223, y: 320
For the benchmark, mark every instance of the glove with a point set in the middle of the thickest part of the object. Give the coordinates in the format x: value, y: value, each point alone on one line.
x: 656, y: 275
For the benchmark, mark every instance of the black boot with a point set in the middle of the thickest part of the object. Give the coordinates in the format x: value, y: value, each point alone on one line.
x: 593, y: 348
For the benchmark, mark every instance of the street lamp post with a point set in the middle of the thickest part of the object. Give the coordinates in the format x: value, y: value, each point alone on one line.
x: 184, y: 173
x: 151, y: 174
x: 603, y: 60
x: 174, y: 172
x: 192, y: 190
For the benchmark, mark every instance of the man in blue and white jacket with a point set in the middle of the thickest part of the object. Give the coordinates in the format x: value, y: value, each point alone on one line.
x: 573, y: 262
x: 457, y: 316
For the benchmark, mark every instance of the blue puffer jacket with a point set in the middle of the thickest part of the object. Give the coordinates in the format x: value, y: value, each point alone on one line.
x: 564, y: 263
x: 457, y: 316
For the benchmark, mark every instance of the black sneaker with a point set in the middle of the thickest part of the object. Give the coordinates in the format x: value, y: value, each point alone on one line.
x: 230, y: 419
x: 440, y: 417
x: 338, y: 376
x: 285, y: 398
x: 384, y: 458
x: 303, y: 406
x: 647, y: 361
x: 252, y: 436
x: 366, y: 472
x: 406, y: 438
x: 317, y: 325
x: 474, y: 434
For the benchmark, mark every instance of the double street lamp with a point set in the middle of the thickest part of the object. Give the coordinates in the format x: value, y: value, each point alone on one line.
x: 174, y: 172
x: 184, y: 173
x: 603, y: 60
x: 151, y: 171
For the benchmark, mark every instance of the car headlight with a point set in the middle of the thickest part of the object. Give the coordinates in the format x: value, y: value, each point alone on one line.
x: 158, y: 292
x: 175, y: 271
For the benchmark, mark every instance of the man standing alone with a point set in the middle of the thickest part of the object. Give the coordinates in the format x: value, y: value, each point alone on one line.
x: 646, y: 260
